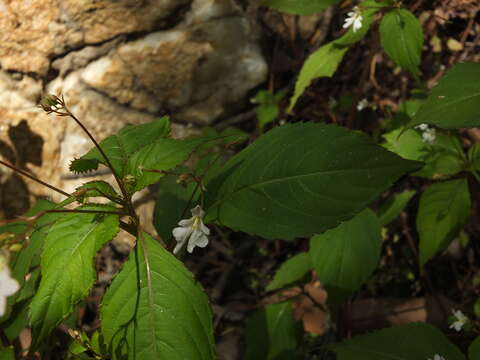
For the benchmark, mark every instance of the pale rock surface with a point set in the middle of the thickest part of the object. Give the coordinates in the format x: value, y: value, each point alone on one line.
x: 116, y: 63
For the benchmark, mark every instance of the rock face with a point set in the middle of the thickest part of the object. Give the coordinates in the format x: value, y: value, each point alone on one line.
x: 116, y: 63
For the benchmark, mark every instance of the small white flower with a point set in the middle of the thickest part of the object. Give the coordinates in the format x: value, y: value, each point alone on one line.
x: 437, y: 357
x: 422, y: 127
x: 354, y: 17
x: 192, y: 230
x: 460, y: 320
x: 8, y: 285
x: 428, y: 133
x: 362, y: 104
x: 428, y: 136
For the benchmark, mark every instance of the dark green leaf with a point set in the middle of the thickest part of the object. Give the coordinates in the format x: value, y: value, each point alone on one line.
x: 67, y: 266
x: 299, y: 7
x: 172, y: 200
x: 402, y: 39
x: 394, y: 206
x: 474, y: 349
x: 453, y: 103
x: 272, y: 334
x: 163, y: 154
x: 162, y: 316
x: 415, y: 341
x: 301, y: 179
x: 443, y: 209
x: 294, y: 269
x: 346, y: 256
x: 120, y: 146
x: 7, y: 353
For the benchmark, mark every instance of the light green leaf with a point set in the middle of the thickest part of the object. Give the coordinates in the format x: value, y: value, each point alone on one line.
x: 268, y: 106
x: 120, y: 146
x: 344, y: 257
x: 95, y: 189
x: 474, y: 349
x: 402, y: 39
x: 394, y: 206
x: 172, y: 199
x: 163, y: 154
x: 299, y: 7
x: 443, y: 209
x: 272, y: 333
x: 67, y: 266
x: 301, y: 179
x: 162, y: 316
x: 415, y: 341
x: 453, y: 103
x: 324, y: 62
x: 294, y: 269
x: 442, y: 158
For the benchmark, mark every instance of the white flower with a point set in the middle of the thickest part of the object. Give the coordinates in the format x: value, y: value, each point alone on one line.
x: 362, y: 104
x: 460, y: 320
x: 8, y: 285
x: 428, y: 133
x: 192, y: 230
x: 437, y: 357
x: 354, y: 17
x: 428, y: 136
x: 422, y: 127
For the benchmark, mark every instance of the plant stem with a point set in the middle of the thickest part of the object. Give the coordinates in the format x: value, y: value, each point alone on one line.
x: 107, y: 160
x: 31, y: 177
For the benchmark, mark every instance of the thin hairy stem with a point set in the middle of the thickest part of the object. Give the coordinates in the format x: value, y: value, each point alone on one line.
x: 31, y: 177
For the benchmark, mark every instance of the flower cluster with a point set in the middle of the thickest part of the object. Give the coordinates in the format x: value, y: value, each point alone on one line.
x: 54, y: 104
x: 192, y: 230
x: 428, y: 133
x: 8, y: 285
x: 354, y: 18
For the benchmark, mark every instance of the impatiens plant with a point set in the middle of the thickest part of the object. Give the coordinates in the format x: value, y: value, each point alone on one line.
x: 319, y: 182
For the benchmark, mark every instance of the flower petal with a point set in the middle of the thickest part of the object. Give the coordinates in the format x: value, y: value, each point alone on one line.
x: 3, y: 305
x: 197, y: 211
x: 187, y: 222
x: 181, y: 234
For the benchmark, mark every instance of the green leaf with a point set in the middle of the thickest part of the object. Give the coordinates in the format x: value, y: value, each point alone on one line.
x: 7, y: 353
x: 294, y: 269
x: 67, y: 266
x: 474, y: 157
x: 474, y: 349
x: 299, y: 7
x: 162, y: 316
x: 442, y: 158
x: 272, y: 333
x: 453, y: 103
x: 394, y: 206
x: 120, y: 146
x: 301, y: 179
x: 443, y: 209
x: 344, y: 257
x: 95, y: 189
x: 268, y: 108
x: 415, y: 341
x: 163, y: 154
x: 172, y: 199
x: 324, y: 62
x: 402, y: 39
